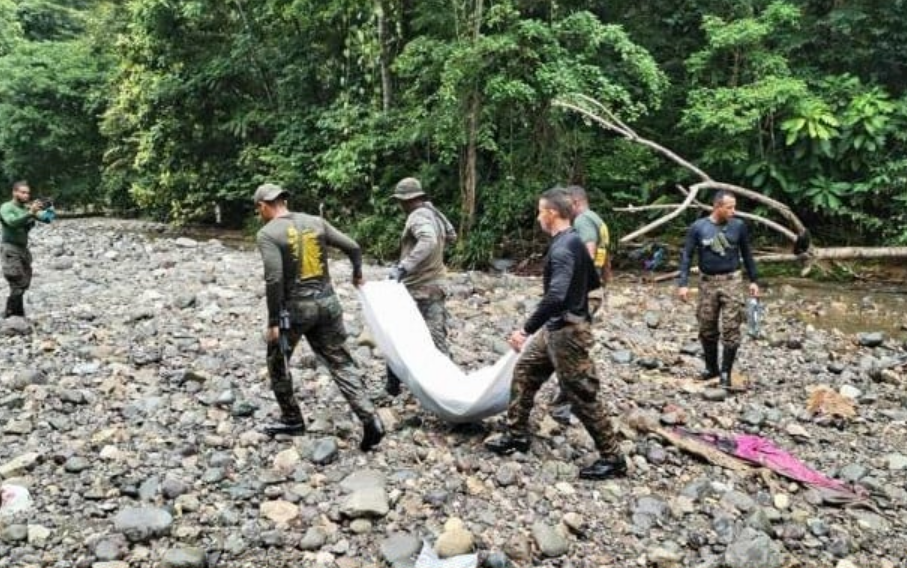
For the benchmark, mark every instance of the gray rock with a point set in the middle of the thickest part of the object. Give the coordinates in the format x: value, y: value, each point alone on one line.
x: 13, y: 533
x: 173, y: 488
x: 550, y: 541
x: 314, y: 539
x: 366, y: 502
x: 363, y: 479
x: 507, y: 474
x: 622, y: 357
x: 149, y: 489
x: 896, y: 462
x: 853, y: 472
x: 15, y: 326
x: 735, y: 500
x: 325, y: 451
x: 652, y: 319
x: 76, y: 464
x: 400, y: 546
x: 184, y: 558
x: 872, y: 339
x: 142, y: 524
x: 496, y: 560
x: 691, y: 348
x: 753, y: 548
x: 715, y: 394
x: 113, y: 547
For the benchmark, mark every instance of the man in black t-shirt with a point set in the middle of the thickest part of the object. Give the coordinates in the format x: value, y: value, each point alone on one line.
x: 720, y: 241
x: 561, y: 345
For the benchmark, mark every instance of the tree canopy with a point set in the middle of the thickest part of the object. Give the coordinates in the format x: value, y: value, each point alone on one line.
x: 171, y: 107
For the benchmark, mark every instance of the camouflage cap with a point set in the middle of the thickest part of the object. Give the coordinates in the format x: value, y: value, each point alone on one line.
x: 268, y: 192
x: 408, y: 188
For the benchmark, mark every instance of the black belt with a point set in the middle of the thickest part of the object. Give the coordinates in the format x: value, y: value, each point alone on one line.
x: 724, y: 276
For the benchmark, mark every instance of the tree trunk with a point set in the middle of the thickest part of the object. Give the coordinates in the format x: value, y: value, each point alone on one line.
x: 384, y: 59
x: 468, y: 174
x: 468, y: 193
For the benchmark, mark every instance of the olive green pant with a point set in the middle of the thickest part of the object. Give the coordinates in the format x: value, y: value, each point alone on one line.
x: 320, y: 321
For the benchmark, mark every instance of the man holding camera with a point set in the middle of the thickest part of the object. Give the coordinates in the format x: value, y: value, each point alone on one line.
x: 17, y: 218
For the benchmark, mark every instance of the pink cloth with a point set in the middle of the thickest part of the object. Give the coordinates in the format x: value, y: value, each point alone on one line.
x: 763, y: 452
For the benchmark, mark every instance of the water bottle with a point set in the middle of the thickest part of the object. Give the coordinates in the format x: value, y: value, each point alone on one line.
x: 754, y: 312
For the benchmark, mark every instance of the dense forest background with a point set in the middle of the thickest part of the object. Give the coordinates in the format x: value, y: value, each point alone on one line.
x: 173, y: 107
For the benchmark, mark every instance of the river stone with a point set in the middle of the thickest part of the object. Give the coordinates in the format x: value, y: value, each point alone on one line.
x: 363, y: 479
x: 871, y: 339
x: 550, y: 541
x: 366, y: 502
x: 112, y: 547
x: 454, y: 542
x: 325, y: 451
x: 753, y: 548
x: 13, y: 533
x: 400, y: 546
x: 622, y: 356
x: 896, y: 462
x: 280, y: 512
x: 314, y: 539
x: 19, y: 464
x: 141, y: 524
x: 184, y: 558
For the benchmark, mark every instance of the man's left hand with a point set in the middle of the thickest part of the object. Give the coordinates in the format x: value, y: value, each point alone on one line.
x: 517, y: 340
x: 754, y: 290
x: 358, y: 281
x: 397, y: 273
x: 272, y: 334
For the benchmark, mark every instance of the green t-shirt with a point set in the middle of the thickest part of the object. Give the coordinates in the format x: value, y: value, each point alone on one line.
x: 17, y: 221
x: 591, y: 229
x: 588, y: 225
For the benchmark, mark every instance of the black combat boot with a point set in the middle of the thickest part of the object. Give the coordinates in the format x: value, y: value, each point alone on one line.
x: 392, y: 386
x: 508, y: 444
x: 710, y: 355
x: 605, y: 468
x: 9, y: 307
x: 19, y: 306
x: 727, y: 365
x: 372, y: 433
x: 293, y: 427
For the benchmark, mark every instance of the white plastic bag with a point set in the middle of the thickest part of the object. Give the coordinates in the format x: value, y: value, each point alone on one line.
x: 13, y: 499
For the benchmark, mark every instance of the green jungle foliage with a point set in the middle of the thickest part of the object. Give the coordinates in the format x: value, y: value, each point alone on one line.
x: 173, y: 108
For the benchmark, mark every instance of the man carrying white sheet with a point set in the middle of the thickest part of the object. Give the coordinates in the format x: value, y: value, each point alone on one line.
x: 562, y: 344
x: 421, y: 267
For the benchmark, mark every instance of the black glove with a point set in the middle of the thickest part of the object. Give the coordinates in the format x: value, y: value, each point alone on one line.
x: 397, y: 273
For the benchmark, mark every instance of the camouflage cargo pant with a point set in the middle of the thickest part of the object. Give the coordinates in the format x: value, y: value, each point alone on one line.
x: 320, y: 321
x: 566, y: 352
x: 720, y: 301
x: 430, y: 301
x: 17, y: 268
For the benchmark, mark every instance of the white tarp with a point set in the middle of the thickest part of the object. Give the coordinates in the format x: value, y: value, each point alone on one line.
x: 441, y: 387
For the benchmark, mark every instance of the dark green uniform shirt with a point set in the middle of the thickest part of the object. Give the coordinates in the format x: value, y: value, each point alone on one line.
x: 292, y: 248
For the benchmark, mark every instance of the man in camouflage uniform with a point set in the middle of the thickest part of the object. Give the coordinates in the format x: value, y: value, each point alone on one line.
x: 18, y: 217
x: 593, y: 232
x: 720, y: 241
x: 562, y: 344
x: 421, y: 267
x: 298, y: 288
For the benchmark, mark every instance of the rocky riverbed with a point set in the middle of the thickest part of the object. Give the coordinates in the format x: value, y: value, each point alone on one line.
x: 130, y: 402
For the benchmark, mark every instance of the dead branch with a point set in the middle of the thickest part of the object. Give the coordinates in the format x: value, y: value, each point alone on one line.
x: 742, y: 214
x: 793, y: 229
